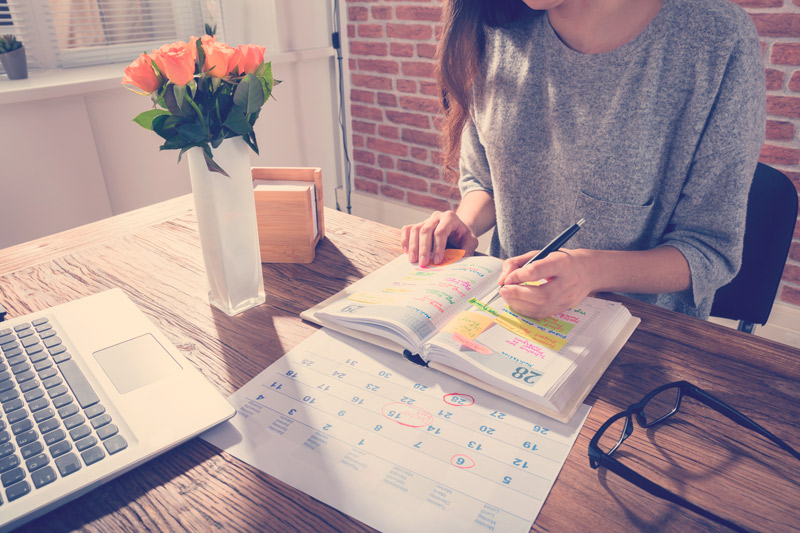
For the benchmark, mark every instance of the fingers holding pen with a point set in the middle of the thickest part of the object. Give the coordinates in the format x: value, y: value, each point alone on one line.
x: 565, y: 284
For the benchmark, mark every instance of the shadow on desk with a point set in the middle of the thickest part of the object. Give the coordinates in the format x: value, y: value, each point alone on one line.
x: 124, y: 498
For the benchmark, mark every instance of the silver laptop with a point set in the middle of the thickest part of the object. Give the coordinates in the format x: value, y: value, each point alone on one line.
x: 88, y: 390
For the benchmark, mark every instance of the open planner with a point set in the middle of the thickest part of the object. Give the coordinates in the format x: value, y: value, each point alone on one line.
x: 436, y: 317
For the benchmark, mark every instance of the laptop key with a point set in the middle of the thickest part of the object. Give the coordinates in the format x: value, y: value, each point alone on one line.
x: 12, y: 476
x: 92, y: 455
x: 43, y: 364
x: 48, y: 373
x: 27, y: 437
x: 95, y: 410
x: 81, y: 388
x: 68, y: 410
x: 29, y: 341
x: 6, y: 383
x: 7, y: 448
x: 55, y: 350
x: 49, y: 383
x: 74, y: 421
x: 15, y: 360
x: 7, y: 463
x: 17, y: 415
x: 38, y: 404
x: 22, y: 426
x: 13, y: 404
x: 54, y: 436
x: 36, y: 462
x: 79, y: 432
x: 17, y: 491
x: 40, y: 321
x: 68, y: 464
x: 26, y: 381
x: 61, y: 357
x: 87, y: 442
x: 107, y: 431
x: 43, y: 477
x: 5, y: 436
x: 8, y: 395
x: 101, y: 421
x: 49, y: 425
x: 62, y: 400
x: 44, y: 414
x: 57, y: 391
x: 36, y: 355
x: 52, y: 342
x: 115, y: 444
x: 34, y: 394
x: 60, y: 448
x: 34, y: 448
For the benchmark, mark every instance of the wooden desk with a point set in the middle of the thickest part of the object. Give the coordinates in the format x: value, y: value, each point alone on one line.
x: 154, y: 255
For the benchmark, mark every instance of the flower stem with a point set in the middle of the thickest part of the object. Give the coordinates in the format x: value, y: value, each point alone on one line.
x: 199, y: 114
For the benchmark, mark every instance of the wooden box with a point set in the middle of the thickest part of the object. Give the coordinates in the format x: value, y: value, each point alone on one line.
x: 289, y: 212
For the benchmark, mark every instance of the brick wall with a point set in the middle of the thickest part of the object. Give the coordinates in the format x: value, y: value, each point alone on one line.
x: 394, y: 104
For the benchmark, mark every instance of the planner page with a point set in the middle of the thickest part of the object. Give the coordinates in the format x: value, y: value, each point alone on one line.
x: 395, y: 445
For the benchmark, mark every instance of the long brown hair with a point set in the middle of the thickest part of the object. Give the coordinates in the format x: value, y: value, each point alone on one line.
x: 460, y: 53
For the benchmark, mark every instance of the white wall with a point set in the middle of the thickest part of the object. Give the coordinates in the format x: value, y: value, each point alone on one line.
x: 72, y: 155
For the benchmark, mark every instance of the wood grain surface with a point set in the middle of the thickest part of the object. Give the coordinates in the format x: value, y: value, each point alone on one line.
x: 153, y: 254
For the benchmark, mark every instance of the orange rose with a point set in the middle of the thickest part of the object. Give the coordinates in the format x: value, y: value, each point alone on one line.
x: 140, y: 74
x: 218, y: 58
x: 250, y: 57
x: 176, y: 62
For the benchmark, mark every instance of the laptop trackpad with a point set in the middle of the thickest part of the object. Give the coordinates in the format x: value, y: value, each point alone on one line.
x: 136, y: 362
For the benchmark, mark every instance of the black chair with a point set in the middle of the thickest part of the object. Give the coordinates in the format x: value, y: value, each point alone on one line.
x: 771, y: 218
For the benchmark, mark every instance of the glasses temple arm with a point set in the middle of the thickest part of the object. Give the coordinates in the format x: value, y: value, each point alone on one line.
x: 660, y: 492
x: 741, y: 419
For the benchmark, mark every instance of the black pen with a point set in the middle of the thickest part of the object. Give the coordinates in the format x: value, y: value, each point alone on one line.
x: 551, y: 247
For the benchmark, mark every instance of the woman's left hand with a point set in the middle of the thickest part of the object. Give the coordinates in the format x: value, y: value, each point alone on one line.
x: 567, y: 282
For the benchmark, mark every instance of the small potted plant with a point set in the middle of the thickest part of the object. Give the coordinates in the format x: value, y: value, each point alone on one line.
x: 12, y: 55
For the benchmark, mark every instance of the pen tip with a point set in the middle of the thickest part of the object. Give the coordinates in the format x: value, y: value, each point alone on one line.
x: 580, y: 222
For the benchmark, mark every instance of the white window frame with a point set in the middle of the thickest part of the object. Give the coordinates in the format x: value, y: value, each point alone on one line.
x: 33, y: 25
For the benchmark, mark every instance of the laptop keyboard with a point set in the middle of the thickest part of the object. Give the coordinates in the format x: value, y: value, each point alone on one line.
x: 52, y: 423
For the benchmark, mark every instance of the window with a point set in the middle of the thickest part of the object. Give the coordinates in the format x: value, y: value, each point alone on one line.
x: 73, y: 33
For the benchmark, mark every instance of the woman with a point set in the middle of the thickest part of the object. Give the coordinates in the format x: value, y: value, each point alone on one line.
x: 645, y: 117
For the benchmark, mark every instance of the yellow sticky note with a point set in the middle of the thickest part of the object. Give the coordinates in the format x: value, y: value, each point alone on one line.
x: 468, y: 324
x: 531, y: 333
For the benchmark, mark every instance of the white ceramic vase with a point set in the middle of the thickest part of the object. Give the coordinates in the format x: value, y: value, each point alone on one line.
x: 226, y: 218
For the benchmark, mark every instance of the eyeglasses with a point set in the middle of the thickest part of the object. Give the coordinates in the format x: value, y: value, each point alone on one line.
x: 653, y: 409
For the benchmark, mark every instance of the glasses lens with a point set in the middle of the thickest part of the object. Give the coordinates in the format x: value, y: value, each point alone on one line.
x: 661, y: 405
x: 612, y: 436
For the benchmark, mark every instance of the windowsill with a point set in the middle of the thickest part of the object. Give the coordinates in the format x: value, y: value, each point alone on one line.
x: 55, y: 83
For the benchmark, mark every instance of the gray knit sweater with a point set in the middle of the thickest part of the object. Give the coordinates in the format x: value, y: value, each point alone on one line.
x: 654, y: 143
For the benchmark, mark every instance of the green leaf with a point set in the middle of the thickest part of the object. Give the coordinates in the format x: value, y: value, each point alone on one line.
x: 145, y: 119
x: 180, y: 94
x: 201, y: 56
x: 250, y: 139
x: 210, y: 163
x: 249, y: 95
x: 171, y: 101
x: 237, y: 122
x: 191, y: 132
x: 216, y: 141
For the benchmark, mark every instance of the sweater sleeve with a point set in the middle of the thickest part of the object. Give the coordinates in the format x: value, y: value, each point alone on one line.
x: 707, y: 225
x: 475, y: 174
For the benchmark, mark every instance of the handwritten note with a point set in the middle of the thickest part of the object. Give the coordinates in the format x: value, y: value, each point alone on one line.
x: 398, y: 446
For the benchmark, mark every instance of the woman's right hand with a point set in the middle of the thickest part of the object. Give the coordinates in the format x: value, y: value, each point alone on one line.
x: 426, y: 241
